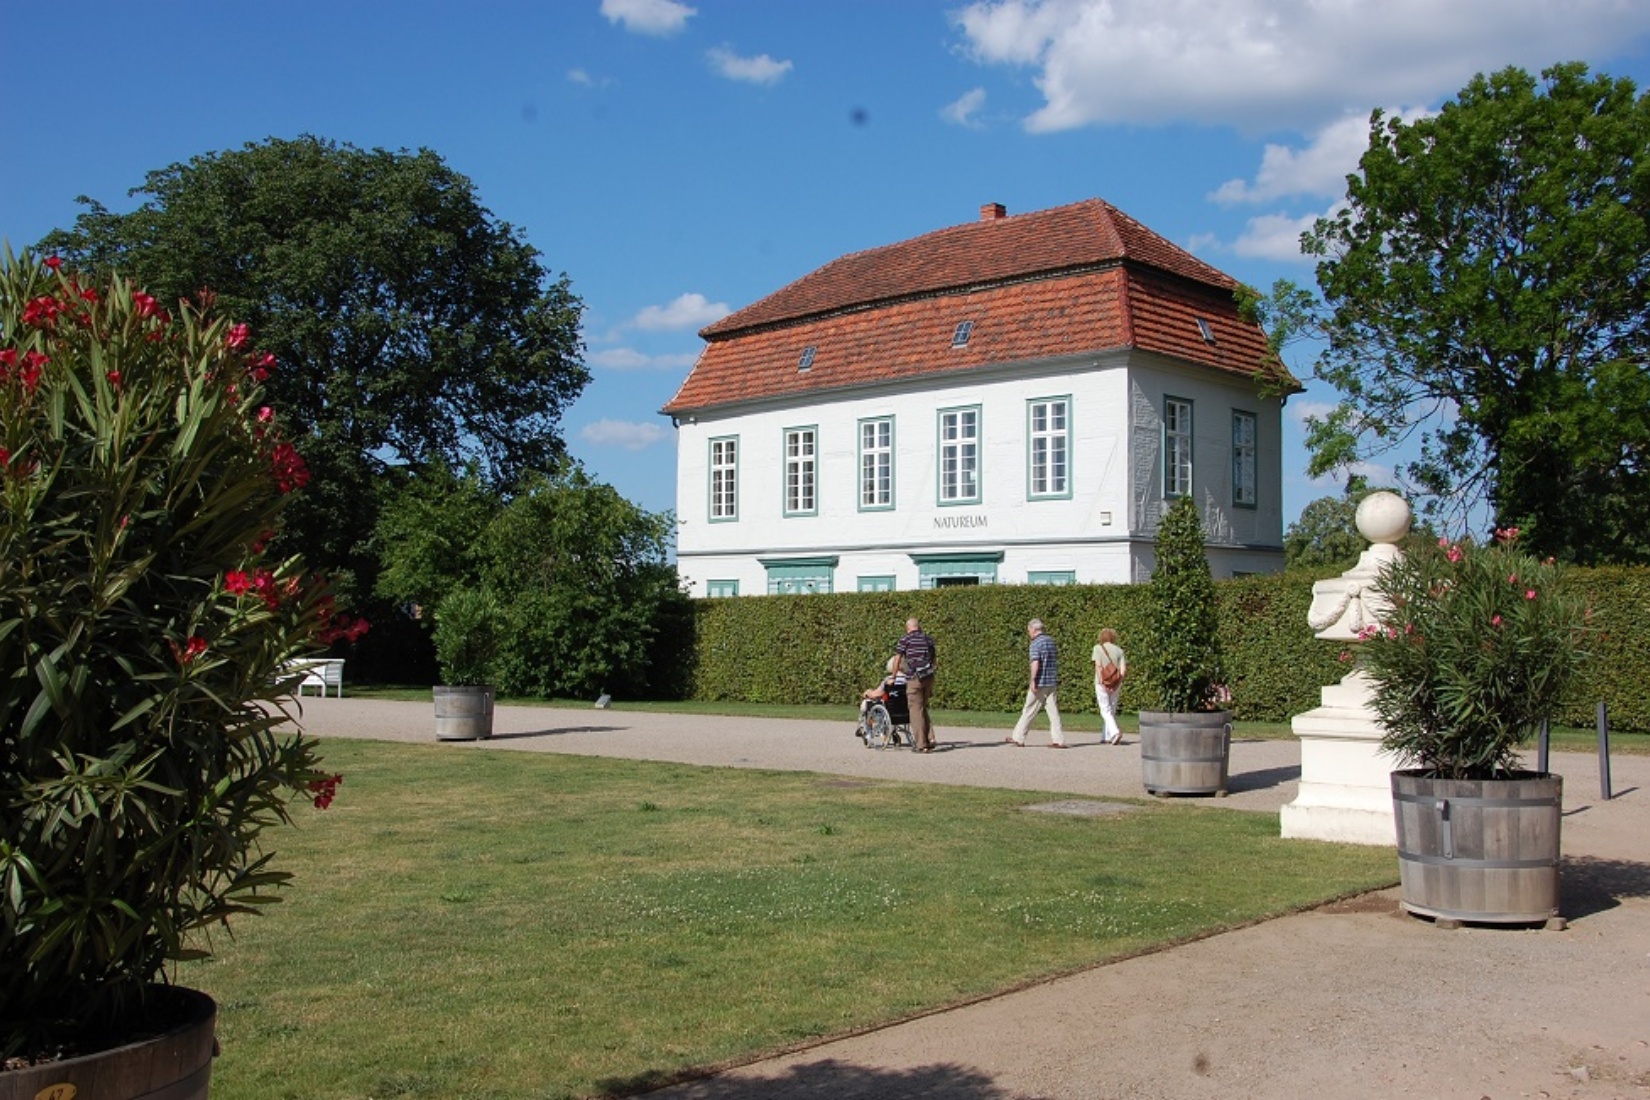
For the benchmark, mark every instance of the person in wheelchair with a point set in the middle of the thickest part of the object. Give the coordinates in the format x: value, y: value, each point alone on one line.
x: 884, y: 717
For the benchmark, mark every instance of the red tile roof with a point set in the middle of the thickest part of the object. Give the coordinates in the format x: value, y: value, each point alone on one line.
x: 1072, y: 280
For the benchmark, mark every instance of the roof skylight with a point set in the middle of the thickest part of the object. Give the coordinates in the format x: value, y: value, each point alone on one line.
x: 1208, y: 333
x: 807, y: 359
x: 965, y: 329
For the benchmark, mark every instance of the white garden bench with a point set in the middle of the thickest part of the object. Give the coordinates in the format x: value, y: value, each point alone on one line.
x: 322, y: 673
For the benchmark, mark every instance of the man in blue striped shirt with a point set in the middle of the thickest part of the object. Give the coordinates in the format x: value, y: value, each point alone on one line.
x: 1045, y: 675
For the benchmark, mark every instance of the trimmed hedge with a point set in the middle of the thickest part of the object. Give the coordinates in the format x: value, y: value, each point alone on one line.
x: 829, y: 648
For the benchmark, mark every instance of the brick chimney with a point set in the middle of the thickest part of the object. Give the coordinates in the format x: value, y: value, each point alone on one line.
x: 992, y: 211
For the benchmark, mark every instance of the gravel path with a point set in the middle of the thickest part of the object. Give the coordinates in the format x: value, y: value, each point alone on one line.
x: 1353, y: 1000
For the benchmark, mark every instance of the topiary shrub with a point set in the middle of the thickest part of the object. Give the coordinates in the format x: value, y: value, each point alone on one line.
x: 143, y: 637
x: 1185, y: 673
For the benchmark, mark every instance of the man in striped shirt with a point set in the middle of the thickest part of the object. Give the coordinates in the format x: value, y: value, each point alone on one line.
x: 917, y: 659
x: 1045, y: 675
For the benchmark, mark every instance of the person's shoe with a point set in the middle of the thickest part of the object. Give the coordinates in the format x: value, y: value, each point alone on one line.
x: 1016, y: 744
x: 1056, y: 744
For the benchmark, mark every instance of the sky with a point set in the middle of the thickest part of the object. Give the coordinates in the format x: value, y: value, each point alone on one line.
x: 680, y: 159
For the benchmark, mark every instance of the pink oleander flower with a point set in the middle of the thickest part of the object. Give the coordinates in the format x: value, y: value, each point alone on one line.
x: 1454, y: 554
x: 1529, y: 593
x: 325, y: 790
x: 146, y: 305
x: 113, y: 377
x: 260, y: 367
x: 288, y: 466
x: 53, y: 262
x: 1495, y: 620
x: 265, y: 415
x: 189, y: 651
x: 237, y: 335
x: 237, y: 583
x: 41, y: 312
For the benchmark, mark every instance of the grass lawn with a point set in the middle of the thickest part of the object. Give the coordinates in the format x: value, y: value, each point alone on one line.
x: 490, y: 924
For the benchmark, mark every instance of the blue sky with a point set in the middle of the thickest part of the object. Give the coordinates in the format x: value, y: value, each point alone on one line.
x: 681, y: 159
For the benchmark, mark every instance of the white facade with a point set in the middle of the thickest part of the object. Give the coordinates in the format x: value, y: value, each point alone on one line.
x: 799, y: 518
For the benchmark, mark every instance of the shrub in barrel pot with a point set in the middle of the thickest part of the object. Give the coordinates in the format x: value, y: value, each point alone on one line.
x: 144, y: 627
x: 1185, y: 745
x: 1479, y: 646
x: 466, y: 645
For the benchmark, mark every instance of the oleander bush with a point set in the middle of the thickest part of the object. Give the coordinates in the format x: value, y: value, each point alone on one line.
x: 144, y: 629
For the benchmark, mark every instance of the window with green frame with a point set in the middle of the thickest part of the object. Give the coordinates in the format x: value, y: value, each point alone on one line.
x: 946, y: 569
x: 721, y: 589
x: 1245, y: 488
x: 724, y: 479
x: 1052, y: 576
x: 876, y: 463
x: 799, y: 576
x: 1177, y: 446
x: 881, y: 582
x: 1048, y: 448
x: 959, y: 455
x: 801, y: 471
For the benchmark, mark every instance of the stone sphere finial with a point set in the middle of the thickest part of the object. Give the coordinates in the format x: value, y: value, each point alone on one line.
x: 1383, y: 518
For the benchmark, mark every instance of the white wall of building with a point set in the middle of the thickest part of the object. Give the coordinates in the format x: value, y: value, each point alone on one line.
x: 1100, y: 532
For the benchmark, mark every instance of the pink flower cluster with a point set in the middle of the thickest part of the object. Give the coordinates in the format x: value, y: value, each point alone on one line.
x: 25, y: 369
x: 325, y: 790
x: 187, y: 652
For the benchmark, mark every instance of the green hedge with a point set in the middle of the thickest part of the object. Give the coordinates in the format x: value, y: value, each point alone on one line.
x: 827, y: 649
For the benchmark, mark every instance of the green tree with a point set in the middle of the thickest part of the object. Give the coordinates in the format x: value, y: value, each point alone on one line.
x: 1484, y: 300
x: 407, y: 324
x: 585, y: 597
x: 1185, y: 616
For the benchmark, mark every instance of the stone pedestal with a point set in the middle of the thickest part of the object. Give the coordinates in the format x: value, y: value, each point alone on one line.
x: 1346, y: 787
x: 1345, y: 790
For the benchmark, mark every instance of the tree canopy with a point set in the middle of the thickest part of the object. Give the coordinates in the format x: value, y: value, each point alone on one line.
x: 1485, y: 301
x: 407, y: 324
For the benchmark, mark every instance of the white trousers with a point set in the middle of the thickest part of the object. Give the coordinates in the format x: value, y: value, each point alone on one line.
x: 1108, y: 710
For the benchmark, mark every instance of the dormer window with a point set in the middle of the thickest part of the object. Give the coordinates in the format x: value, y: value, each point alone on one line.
x: 1208, y: 333
x: 959, y: 338
x: 807, y: 359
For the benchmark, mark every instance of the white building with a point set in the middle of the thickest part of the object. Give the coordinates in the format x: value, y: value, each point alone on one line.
x: 1006, y: 401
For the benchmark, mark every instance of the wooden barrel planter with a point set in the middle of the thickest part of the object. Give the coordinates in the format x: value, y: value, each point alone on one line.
x: 175, y: 1065
x: 1185, y: 753
x: 463, y: 712
x: 1484, y: 850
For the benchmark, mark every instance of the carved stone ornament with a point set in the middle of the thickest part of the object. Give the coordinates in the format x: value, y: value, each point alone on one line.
x: 1344, y: 605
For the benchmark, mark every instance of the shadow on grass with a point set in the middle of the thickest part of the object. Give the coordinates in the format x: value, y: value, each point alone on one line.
x: 1591, y: 886
x: 838, y: 1080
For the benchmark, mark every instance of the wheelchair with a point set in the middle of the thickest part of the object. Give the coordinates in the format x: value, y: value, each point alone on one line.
x: 885, y: 723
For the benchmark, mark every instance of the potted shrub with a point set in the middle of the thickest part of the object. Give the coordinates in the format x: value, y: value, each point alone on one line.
x: 1185, y: 744
x: 466, y: 645
x: 144, y: 626
x: 1479, y: 645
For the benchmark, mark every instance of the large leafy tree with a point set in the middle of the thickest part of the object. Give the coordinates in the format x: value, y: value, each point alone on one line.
x: 586, y: 598
x: 408, y: 325
x: 1485, y: 295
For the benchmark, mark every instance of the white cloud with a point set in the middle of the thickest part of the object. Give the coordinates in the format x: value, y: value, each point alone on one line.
x: 760, y: 69
x: 1298, y: 411
x: 1262, y: 64
x: 627, y: 434
x: 686, y: 311
x: 1319, y: 168
x: 583, y: 78
x: 963, y: 110
x: 631, y: 359
x: 660, y: 18
x: 1273, y: 237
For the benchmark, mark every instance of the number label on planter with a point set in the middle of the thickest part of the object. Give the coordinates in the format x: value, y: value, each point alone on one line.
x: 64, y: 1091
